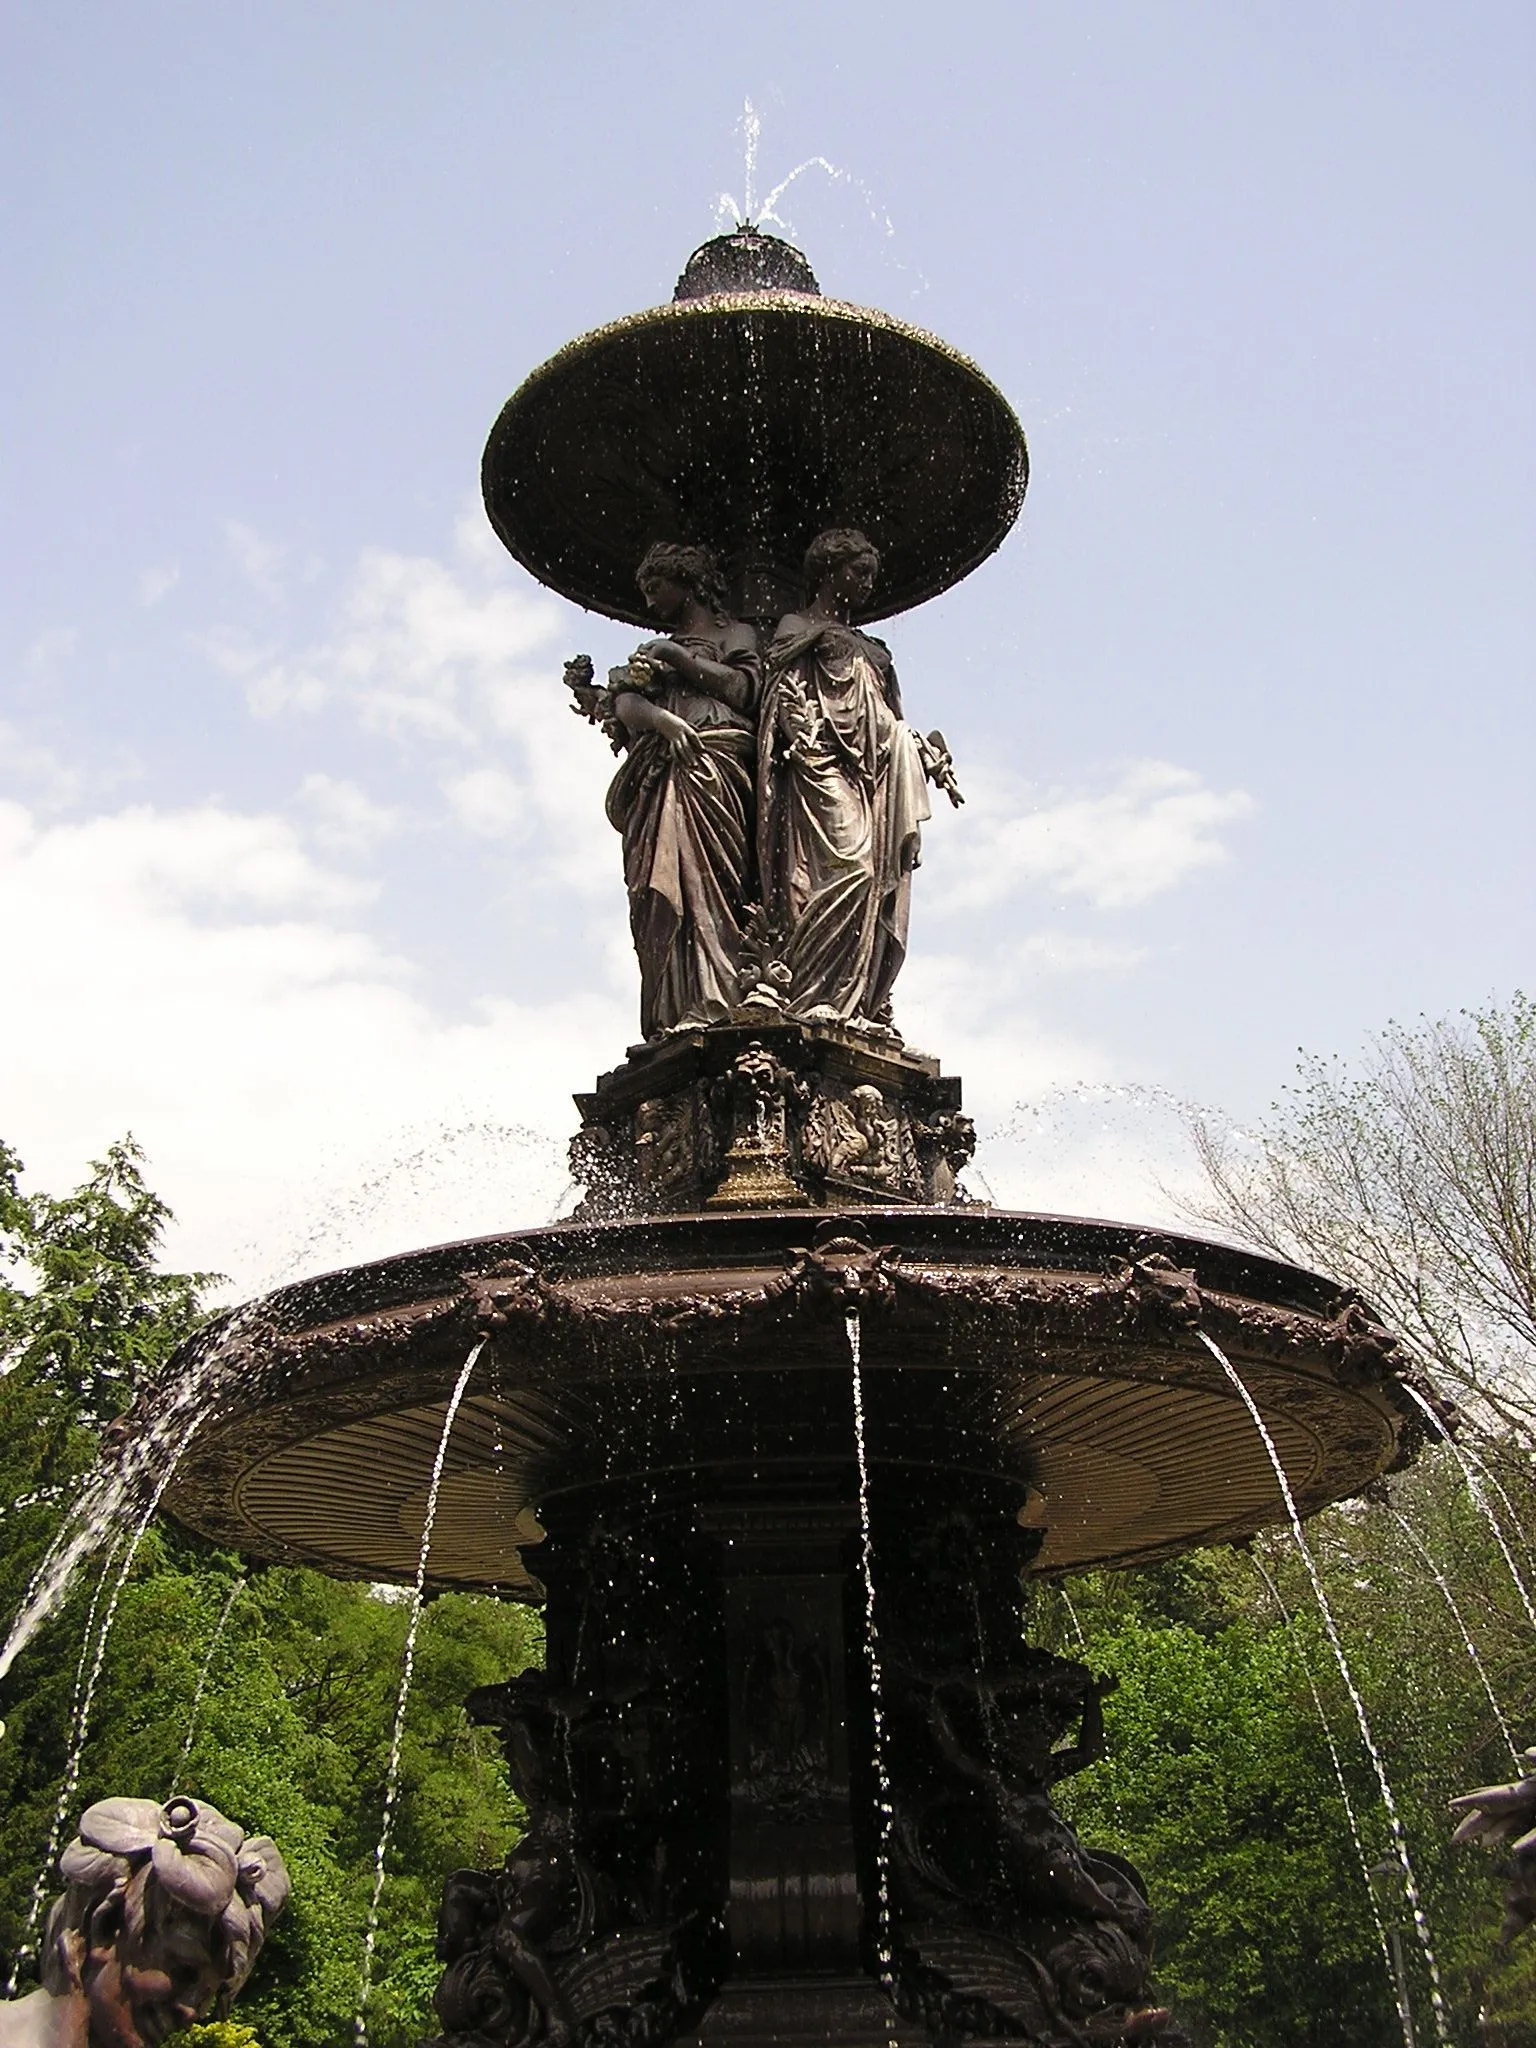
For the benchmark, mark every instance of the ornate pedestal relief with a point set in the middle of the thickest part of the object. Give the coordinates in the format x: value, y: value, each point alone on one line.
x: 782, y: 1115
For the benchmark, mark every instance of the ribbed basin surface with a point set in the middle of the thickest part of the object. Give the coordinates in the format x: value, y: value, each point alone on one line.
x: 705, y: 1356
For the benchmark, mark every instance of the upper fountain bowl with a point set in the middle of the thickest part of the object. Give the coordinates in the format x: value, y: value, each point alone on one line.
x: 748, y: 414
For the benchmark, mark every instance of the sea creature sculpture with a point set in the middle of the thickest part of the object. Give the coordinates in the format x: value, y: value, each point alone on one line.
x: 1500, y: 1815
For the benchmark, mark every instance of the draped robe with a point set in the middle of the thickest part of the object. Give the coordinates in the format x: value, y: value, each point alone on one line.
x: 687, y: 848
x: 841, y: 796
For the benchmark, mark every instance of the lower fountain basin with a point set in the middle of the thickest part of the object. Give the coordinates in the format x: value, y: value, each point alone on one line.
x: 709, y: 1354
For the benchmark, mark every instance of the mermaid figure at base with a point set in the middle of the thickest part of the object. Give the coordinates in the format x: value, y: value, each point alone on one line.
x: 683, y: 712
x: 842, y: 795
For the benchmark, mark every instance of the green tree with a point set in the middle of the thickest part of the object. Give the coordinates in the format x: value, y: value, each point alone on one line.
x: 86, y: 1318
x: 1220, y: 1786
x: 298, y: 1687
x: 1411, y: 1176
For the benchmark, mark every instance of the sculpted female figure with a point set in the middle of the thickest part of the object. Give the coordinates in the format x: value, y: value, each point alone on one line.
x: 842, y: 794
x: 683, y: 711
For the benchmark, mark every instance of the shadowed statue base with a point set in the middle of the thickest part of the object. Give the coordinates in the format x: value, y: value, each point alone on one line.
x: 720, y: 1847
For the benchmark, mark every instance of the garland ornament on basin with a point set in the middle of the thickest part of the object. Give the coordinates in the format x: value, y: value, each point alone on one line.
x: 164, y: 1912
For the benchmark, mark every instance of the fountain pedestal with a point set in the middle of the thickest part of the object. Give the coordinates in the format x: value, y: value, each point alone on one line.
x: 753, y: 1819
x: 812, y: 2012
x: 770, y: 1113
x: 794, y: 1910
x: 793, y: 1905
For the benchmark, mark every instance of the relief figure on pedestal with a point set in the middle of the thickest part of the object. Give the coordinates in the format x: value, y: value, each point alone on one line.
x: 855, y: 1138
x: 842, y: 794
x: 999, y: 1731
x: 783, y: 1709
x: 683, y: 713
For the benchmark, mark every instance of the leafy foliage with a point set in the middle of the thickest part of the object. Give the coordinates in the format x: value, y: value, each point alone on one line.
x: 98, y: 1318
x: 1413, y: 1178
x: 293, y: 1725
x: 1219, y: 1783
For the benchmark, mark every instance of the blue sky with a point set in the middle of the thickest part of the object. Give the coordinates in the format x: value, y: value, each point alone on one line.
x: 301, y: 859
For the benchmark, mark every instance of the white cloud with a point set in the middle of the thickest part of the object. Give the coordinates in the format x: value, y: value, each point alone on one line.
x: 277, y: 688
x: 419, y: 649
x: 37, y: 771
x: 49, y: 649
x: 194, y: 860
x: 488, y: 802
x: 1058, y: 1130
x: 259, y: 560
x: 346, y: 819
x: 198, y: 977
x: 1094, y: 1148
x: 1152, y: 829
x: 974, y: 1010
x: 157, y: 584
x: 459, y: 664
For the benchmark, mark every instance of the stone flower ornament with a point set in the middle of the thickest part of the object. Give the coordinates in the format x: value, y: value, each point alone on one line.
x: 164, y: 1912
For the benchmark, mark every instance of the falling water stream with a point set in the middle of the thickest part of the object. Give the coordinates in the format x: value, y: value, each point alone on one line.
x: 1077, y: 1626
x: 1117, y: 1806
x: 1399, y: 1992
x: 1486, y: 1471
x: 40, y: 1882
x: 884, y: 1810
x: 85, y: 1699
x: 203, y: 1676
x: 407, y: 1667
x: 1466, y: 1635
x: 1481, y: 1499
x: 148, y: 1460
x: 1388, y: 1800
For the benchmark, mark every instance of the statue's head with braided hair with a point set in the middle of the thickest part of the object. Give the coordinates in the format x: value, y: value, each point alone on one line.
x: 163, y: 1912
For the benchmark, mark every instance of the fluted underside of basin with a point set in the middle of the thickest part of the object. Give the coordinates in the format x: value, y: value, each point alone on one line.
x: 701, y: 1357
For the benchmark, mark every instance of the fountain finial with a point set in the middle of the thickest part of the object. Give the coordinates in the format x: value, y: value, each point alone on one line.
x: 746, y: 260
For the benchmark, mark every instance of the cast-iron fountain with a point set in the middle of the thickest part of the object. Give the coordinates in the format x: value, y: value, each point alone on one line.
x: 776, y: 1423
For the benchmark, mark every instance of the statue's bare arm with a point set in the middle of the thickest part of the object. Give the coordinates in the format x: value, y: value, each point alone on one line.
x: 1089, y: 1746
x: 638, y: 714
